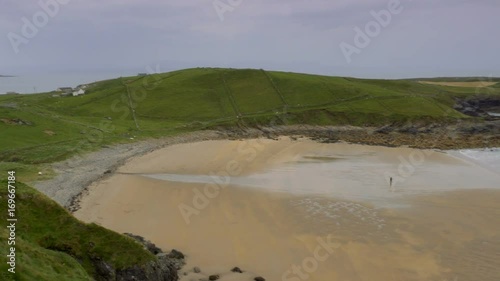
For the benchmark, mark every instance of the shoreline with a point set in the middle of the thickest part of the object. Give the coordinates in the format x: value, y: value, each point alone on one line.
x: 75, y: 175
x: 240, y: 224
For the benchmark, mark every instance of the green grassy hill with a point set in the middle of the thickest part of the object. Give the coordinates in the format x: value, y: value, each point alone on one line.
x: 162, y: 104
x: 53, y: 245
x: 36, y: 130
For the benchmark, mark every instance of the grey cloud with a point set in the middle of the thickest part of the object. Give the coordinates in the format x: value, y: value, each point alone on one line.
x: 446, y: 37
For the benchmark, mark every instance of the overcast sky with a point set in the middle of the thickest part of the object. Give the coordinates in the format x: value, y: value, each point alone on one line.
x: 423, y: 37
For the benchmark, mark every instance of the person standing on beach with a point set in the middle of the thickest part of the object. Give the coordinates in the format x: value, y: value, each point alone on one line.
x: 390, y: 181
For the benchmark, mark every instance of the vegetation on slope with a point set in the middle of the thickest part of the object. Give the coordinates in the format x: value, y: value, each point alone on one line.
x: 127, y: 108
x: 53, y: 245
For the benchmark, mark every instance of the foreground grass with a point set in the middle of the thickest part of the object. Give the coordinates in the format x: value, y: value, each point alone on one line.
x: 53, y: 245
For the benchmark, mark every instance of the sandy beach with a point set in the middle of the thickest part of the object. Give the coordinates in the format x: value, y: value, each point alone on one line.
x: 300, y: 210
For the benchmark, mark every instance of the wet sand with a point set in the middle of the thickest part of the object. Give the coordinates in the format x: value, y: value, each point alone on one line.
x: 358, y: 229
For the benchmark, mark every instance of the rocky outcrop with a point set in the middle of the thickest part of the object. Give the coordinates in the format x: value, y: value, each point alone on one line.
x: 479, y: 106
x: 151, y: 247
x: 197, y: 274
x: 457, y: 135
x: 16, y: 122
x: 164, y: 268
x: 160, y: 270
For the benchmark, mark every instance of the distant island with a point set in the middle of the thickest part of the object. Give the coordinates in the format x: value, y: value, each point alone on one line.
x: 7, y: 76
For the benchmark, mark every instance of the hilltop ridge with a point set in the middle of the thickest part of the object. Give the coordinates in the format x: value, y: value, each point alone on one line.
x: 44, y: 128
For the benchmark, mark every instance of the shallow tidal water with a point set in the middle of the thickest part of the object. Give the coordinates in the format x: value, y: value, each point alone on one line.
x: 439, y: 221
x: 366, y: 177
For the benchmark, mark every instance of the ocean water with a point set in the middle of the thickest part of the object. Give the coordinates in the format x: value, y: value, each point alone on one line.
x: 362, y: 179
x: 27, y: 84
x: 488, y: 158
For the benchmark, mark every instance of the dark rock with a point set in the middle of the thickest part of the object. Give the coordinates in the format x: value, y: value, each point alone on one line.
x: 470, y: 111
x: 153, y: 271
x: 425, y: 131
x: 178, y: 262
x: 16, y: 121
x: 103, y: 270
x: 478, y: 106
x: 162, y: 269
x: 174, y: 254
x: 22, y: 122
x: 237, y: 269
x: 151, y: 247
x: 213, y: 277
x: 475, y: 129
x: 259, y: 279
x: 409, y: 130
x: 384, y: 130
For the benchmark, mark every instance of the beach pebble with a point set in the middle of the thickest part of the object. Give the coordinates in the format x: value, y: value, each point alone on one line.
x: 213, y: 277
x: 174, y: 254
x: 236, y: 269
x: 259, y: 279
x: 196, y: 269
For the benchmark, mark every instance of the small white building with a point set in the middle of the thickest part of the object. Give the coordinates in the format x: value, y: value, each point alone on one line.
x: 78, y: 92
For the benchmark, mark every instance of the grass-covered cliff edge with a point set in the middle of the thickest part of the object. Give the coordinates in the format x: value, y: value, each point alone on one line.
x: 38, y: 130
x: 53, y: 245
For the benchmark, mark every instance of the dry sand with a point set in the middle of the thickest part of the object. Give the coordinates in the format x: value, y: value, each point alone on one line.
x: 452, y: 235
x: 477, y: 84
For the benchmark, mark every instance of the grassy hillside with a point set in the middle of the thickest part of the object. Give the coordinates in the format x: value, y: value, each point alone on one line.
x: 460, y: 79
x: 40, y: 129
x: 37, y: 130
x: 50, y: 241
